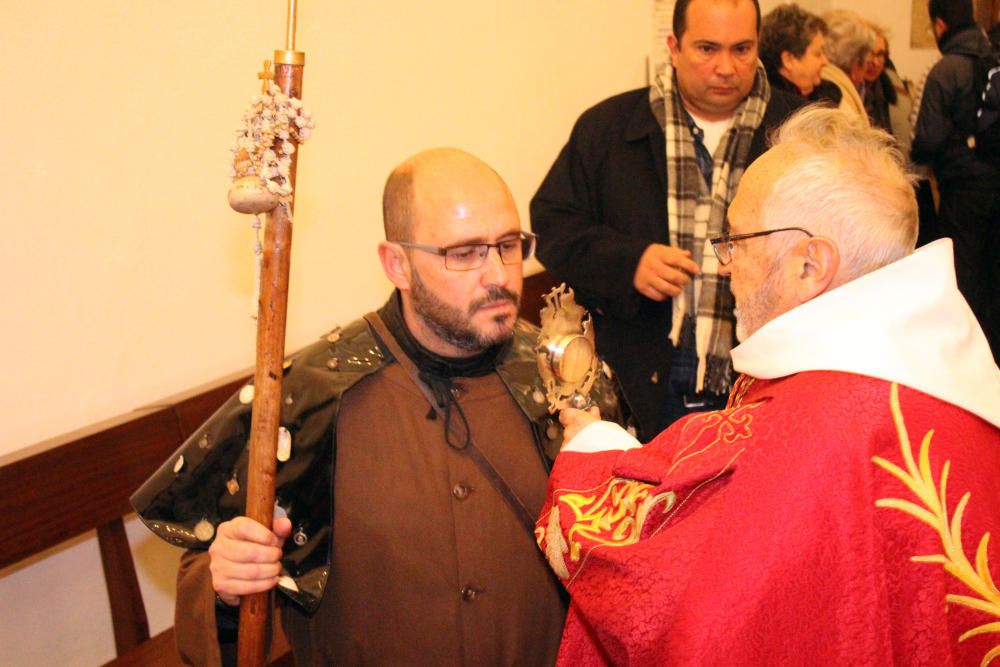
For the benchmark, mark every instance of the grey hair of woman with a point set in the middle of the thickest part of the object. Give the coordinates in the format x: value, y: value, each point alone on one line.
x: 849, y: 38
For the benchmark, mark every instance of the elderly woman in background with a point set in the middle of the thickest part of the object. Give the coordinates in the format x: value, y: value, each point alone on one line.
x: 886, y: 95
x: 792, y: 44
x: 849, y: 40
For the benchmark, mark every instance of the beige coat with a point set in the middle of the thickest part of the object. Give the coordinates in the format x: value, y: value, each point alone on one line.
x: 850, y: 100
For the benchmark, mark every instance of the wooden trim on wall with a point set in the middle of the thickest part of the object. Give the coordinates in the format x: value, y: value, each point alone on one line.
x: 64, y: 487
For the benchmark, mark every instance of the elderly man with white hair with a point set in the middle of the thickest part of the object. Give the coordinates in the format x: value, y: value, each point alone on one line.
x: 838, y: 510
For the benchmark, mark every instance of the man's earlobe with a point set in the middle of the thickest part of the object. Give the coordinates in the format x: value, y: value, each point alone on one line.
x: 395, y: 264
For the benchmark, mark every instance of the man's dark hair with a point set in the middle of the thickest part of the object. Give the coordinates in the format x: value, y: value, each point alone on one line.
x: 955, y: 13
x: 680, y: 17
x: 787, y: 28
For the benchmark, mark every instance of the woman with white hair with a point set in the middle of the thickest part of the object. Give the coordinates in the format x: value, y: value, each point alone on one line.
x: 849, y: 39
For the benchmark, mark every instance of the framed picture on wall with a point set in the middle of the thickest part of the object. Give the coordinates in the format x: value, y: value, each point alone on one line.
x: 987, y: 12
x: 663, y: 13
x: 921, y: 36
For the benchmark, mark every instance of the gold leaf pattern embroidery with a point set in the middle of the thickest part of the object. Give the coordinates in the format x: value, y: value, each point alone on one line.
x: 614, y: 513
x: 613, y: 518
x: 933, y: 510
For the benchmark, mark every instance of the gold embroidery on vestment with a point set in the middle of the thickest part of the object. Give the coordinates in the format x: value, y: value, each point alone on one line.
x: 729, y: 425
x: 614, y: 518
x: 613, y: 514
x: 739, y: 390
x: 933, y: 510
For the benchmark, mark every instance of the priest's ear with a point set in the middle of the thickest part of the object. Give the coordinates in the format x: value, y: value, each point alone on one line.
x: 395, y: 264
x: 817, y: 264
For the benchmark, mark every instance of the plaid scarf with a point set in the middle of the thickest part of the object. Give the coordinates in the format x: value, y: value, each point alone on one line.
x: 695, y: 214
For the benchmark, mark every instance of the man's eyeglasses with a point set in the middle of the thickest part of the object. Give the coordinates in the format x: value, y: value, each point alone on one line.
x: 723, y: 246
x: 469, y: 256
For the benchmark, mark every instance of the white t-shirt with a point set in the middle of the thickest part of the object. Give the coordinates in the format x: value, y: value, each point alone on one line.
x: 713, y: 129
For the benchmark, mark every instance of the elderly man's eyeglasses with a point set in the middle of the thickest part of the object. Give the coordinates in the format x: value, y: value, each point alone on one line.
x: 469, y: 256
x: 723, y: 246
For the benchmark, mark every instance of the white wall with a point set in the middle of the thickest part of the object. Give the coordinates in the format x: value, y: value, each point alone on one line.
x: 124, y: 276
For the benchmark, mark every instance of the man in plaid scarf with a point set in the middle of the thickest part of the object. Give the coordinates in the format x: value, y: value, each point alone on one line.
x: 626, y: 210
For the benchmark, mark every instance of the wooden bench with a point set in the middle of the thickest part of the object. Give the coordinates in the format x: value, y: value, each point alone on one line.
x: 80, y: 482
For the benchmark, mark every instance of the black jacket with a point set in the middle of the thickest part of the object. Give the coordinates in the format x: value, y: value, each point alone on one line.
x: 947, y: 111
x: 826, y: 92
x: 601, y: 205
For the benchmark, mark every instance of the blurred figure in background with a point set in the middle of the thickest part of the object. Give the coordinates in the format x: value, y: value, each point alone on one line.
x: 792, y: 48
x: 944, y: 139
x: 877, y: 97
x: 849, y: 40
x: 888, y: 98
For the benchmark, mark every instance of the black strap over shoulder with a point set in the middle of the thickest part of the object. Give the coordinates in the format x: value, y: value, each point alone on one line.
x: 498, y: 482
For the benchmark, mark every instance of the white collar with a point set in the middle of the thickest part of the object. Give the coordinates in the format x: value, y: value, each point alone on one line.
x: 905, y: 323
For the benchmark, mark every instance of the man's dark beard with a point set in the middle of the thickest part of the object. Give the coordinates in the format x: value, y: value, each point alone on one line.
x: 452, y: 326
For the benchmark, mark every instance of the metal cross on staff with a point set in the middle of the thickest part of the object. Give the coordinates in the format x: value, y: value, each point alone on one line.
x: 265, y: 76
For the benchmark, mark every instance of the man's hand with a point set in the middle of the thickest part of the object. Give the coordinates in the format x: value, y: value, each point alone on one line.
x: 573, y: 420
x: 245, y: 557
x: 663, y: 271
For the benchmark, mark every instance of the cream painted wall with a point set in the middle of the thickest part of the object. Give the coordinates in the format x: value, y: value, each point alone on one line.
x: 127, y: 277
x: 124, y: 276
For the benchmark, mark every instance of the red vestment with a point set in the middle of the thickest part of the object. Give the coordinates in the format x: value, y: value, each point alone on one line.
x: 775, y: 532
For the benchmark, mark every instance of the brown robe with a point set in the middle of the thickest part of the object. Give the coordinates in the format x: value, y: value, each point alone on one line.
x: 430, y: 565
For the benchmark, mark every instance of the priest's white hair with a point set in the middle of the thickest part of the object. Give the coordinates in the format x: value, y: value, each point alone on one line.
x: 846, y: 181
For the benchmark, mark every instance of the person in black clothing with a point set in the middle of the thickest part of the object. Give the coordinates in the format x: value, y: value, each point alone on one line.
x: 792, y: 48
x: 663, y: 317
x: 969, y: 210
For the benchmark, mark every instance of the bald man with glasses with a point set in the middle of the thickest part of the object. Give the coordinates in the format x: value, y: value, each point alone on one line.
x: 838, y: 510
x: 419, y: 447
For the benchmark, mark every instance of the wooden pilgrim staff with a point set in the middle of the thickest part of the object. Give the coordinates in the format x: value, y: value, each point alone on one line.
x: 251, y: 194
